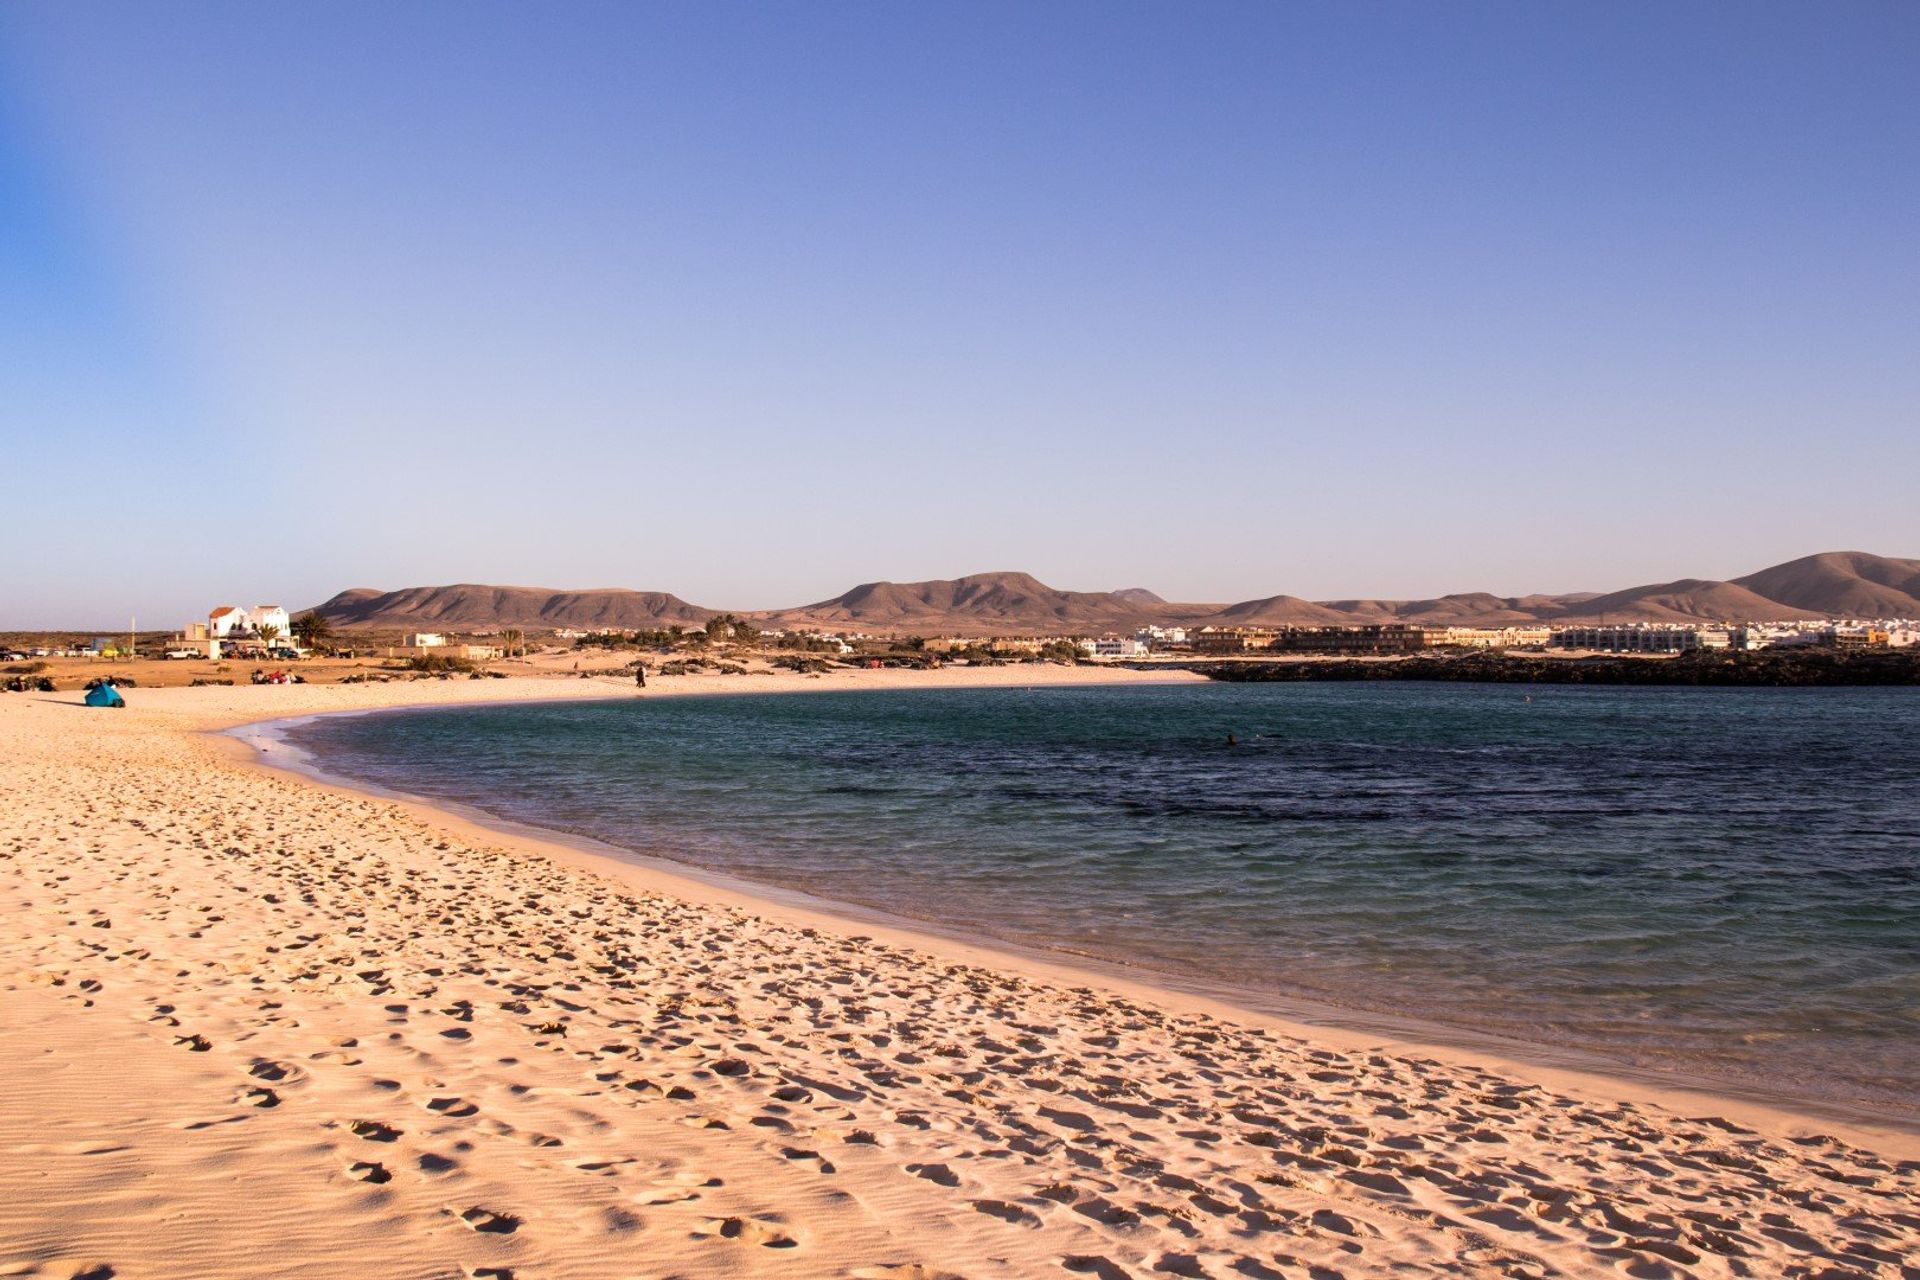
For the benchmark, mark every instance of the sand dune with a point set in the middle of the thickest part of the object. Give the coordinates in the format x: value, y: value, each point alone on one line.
x: 254, y: 1026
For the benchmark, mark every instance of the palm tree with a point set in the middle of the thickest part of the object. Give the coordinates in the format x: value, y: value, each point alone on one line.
x: 268, y: 630
x: 313, y: 629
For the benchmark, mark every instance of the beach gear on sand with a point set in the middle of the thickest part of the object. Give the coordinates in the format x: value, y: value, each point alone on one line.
x: 105, y: 695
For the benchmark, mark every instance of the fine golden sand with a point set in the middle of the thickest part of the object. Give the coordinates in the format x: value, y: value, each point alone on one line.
x: 251, y: 1025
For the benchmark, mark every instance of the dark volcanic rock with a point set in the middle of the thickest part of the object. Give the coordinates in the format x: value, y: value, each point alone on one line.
x: 1782, y: 668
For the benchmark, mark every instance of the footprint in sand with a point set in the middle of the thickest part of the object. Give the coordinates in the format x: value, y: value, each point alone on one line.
x: 939, y: 1174
x: 1006, y: 1212
x: 374, y: 1131
x: 451, y: 1106
x: 1341, y: 1224
x: 614, y: 1218
x: 1106, y: 1212
x: 369, y: 1171
x: 193, y: 1044
x: 490, y: 1221
x: 802, y: 1156
x: 261, y: 1096
x: 902, y: 1271
x: 1254, y: 1269
x: 677, y: 1189
x: 648, y: 1089
x: 745, y: 1230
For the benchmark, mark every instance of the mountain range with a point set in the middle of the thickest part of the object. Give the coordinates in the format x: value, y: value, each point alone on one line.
x: 471, y: 607
x: 1836, y: 584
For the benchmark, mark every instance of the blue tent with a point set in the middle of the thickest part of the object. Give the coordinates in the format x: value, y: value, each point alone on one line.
x: 105, y: 695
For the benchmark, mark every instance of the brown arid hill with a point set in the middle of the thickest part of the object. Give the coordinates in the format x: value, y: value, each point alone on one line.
x: 980, y: 603
x: 1687, y: 600
x: 1465, y: 609
x: 1277, y: 611
x: 473, y: 607
x: 1841, y: 584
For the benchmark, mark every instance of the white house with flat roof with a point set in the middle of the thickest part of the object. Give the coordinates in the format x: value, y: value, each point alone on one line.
x: 272, y: 615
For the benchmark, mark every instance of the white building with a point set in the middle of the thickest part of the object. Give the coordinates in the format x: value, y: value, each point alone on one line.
x: 1161, y: 637
x: 272, y: 615
x: 1490, y: 637
x: 426, y: 640
x: 229, y: 620
x: 1636, y: 637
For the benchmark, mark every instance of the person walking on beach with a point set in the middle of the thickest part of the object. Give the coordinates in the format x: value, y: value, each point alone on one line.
x: 640, y: 674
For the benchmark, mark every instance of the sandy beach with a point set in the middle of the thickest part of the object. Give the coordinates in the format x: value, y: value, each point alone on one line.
x: 257, y: 1025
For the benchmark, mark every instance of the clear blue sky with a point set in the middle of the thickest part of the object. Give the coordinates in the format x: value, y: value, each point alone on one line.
x: 752, y: 303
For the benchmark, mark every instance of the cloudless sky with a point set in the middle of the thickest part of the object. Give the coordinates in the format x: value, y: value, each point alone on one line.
x: 751, y: 303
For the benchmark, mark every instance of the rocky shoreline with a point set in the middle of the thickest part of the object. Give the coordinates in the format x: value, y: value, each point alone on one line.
x: 1772, y: 669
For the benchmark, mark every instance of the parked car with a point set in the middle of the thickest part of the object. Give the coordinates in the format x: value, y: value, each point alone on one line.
x: 185, y: 653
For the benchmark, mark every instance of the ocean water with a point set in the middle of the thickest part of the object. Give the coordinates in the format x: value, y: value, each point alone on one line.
x: 1717, y: 883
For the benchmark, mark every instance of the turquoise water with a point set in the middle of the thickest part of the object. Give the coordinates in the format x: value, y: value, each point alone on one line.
x: 1720, y: 882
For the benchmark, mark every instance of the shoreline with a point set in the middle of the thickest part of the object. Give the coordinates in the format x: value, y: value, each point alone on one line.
x: 1592, y: 1072
x: 1762, y: 669
x: 429, y: 1047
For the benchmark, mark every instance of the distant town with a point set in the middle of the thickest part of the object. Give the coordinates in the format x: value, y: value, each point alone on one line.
x: 267, y: 632
x: 1835, y: 617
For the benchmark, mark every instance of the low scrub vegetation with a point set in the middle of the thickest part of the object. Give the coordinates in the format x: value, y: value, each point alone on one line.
x: 434, y: 664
